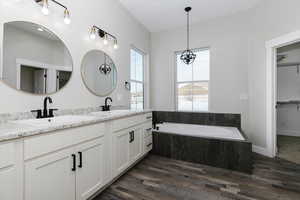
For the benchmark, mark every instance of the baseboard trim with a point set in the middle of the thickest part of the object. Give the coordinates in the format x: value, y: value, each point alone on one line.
x: 288, y: 133
x: 262, y: 151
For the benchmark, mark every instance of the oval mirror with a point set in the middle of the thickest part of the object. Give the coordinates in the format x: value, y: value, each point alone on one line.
x: 35, y: 60
x: 99, y: 73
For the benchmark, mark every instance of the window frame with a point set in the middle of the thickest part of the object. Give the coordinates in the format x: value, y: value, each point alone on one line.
x: 176, y: 82
x: 144, y: 74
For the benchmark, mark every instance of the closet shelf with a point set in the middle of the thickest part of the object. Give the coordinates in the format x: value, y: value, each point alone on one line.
x: 288, y: 102
x: 292, y: 102
x: 292, y: 64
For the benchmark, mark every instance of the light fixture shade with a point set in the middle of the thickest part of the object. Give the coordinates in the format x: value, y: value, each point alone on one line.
x: 93, y: 33
x: 45, y: 8
x: 188, y: 57
x: 105, y: 41
x: 116, y: 46
x: 67, y: 18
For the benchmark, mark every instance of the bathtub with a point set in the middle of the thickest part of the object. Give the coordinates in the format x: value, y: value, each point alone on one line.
x: 218, y: 132
x: 213, y: 143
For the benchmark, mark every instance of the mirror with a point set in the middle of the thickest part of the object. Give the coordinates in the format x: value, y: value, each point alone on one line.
x: 99, y: 73
x: 35, y: 60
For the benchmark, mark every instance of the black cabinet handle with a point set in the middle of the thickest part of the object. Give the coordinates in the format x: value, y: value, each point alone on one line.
x: 80, y: 159
x: 131, y: 136
x: 149, y: 145
x: 74, y: 162
x: 148, y: 129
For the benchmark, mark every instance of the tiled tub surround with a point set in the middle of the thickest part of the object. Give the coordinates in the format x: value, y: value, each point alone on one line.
x: 214, y: 119
x: 218, y: 152
x: 9, y: 130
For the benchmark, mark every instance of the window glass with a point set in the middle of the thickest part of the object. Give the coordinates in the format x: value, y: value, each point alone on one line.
x: 137, y: 79
x: 193, y: 82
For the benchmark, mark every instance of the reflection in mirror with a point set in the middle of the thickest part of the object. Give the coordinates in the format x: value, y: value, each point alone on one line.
x: 35, y: 60
x: 99, y: 73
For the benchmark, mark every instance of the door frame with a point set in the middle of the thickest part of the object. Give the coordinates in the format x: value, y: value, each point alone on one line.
x: 36, y: 64
x: 271, y: 87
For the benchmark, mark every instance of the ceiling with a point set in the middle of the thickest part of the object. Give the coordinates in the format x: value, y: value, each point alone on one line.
x: 159, y: 15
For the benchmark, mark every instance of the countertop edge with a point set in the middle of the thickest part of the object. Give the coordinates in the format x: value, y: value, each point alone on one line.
x: 35, y: 131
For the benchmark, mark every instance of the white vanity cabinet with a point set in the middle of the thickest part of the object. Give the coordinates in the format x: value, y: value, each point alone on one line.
x: 50, y: 177
x: 135, y: 144
x: 72, y: 163
x: 127, y: 148
x: 120, y: 151
x: 128, y: 141
x: 69, y: 164
x: 11, y: 171
x: 90, y: 169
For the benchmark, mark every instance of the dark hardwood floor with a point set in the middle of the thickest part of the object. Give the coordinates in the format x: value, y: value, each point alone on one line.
x: 158, y: 178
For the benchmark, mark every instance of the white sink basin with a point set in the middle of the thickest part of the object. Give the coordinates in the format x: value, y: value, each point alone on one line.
x: 55, y: 121
x: 111, y: 113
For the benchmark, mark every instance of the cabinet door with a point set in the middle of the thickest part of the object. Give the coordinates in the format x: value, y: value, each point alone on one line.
x: 135, y: 148
x: 120, y: 151
x: 90, y: 168
x: 10, y: 171
x: 50, y: 177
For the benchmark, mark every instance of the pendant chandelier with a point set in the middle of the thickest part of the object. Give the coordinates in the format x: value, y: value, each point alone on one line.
x: 188, y: 57
x: 105, y: 68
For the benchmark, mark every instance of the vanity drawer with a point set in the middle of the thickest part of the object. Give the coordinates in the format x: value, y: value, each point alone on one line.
x: 148, y: 116
x: 148, y: 144
x: 7, y: 155
x: 127, y: 122
x: 148, y: 129
x: 54, y: 141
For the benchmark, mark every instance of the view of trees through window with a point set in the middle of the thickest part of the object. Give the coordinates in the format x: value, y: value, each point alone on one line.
x: 137, y: 79
x: 193, y: 82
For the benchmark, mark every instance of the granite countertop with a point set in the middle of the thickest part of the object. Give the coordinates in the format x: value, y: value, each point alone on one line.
x: 12, y: 130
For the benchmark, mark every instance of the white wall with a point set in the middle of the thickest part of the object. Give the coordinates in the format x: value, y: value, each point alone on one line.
x: 229, y: 63
x: 238, y: 64
x: 109, y: 15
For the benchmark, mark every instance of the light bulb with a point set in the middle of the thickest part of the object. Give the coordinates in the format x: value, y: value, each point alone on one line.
x: 105, y: 41
x: 45, y: 9
x: 67, y: 18
x: 93, y: 33
x: 116, y: 45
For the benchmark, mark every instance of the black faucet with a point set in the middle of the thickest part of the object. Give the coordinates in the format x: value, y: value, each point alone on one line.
x: 46, y: 113
x: 106, y: 107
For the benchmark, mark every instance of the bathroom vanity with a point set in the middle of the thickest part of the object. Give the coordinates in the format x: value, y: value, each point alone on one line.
x: 70, y: 157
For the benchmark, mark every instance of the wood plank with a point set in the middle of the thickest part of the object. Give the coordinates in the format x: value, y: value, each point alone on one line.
x: 158, y: 178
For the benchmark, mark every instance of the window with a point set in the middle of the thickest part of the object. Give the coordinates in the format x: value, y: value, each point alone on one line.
x: 137, y: 79
x: 192, y: 82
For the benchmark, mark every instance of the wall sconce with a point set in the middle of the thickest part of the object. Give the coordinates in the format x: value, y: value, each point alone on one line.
x: 103, y: 34
x: 45, y: 9
x: 127, y: 85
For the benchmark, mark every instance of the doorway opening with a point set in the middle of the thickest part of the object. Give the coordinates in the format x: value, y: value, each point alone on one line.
x: 288, y: 102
